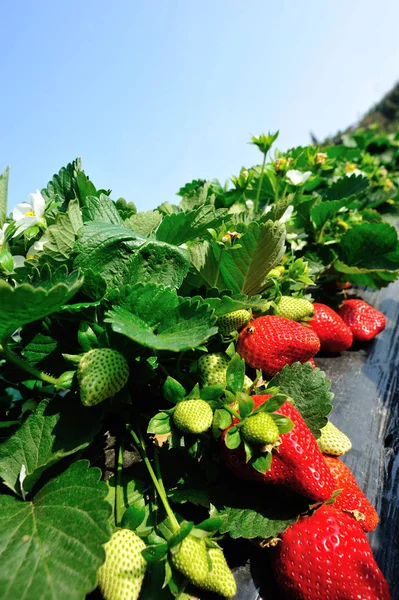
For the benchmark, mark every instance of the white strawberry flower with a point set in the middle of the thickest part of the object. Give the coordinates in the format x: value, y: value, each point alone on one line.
x: 297, y: 177
x: 287, y: 215
x: 2, y: 236
x: 27, y: 214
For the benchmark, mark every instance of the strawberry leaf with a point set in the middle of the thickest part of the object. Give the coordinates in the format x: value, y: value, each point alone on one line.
x: 57, y: 428
x: 229, y: 303
x: 310, y: 390
x: 245, y: 403
x: 155, y: 317
x: 160, y: 423
x: 24, y: 304
x: 51, y: 547
x: 185, y: 226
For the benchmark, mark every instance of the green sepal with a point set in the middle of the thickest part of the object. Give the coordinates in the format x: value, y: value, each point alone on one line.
x: 221, y: 420
x: 284, y: 424
x: 211, y: 392
x: 235, y: 374
x: 133, y: 516
x: 246, y: 404
x: 273, y: 404
x: 173, y: 391
x: 262, y: 463
x: 160, y: 423
x: 233, y: 438
x: 155, y: 553
x: 209, y: 525
x: 195, y: 393
x: 249, y: 451
x: 176, y: 539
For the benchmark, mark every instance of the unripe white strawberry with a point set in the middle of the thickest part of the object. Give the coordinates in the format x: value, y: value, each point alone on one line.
x: 295, y: 309
x: 333, y: 441
x: 213, y: 369
x: 233, y: 321
x: 193, y: 416
x: 121, y: 576
x: 220, y: 579
x: 191, y: 560
x: 102, y: 372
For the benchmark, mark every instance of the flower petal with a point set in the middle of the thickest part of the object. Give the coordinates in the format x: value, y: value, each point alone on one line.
x: 24, y: 223
x: 38, y: 203
x: 297, y: 177
x: 20, y: 211
x: 19, y: 261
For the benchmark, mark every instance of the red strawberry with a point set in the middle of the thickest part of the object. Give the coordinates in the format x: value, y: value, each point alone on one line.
x: 270, y: 342
x: 351, y: 497
x: 364, y: 321
x: 327, y: 556
x: 334, y: 335
x: 312, y: 362
x: 297, y: 464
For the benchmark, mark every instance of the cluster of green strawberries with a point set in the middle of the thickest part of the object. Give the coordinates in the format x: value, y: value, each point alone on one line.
x: 325, y: 554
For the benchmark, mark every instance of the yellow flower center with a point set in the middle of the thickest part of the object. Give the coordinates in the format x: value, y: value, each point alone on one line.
x: 30, y: 257
x: 30, y: 213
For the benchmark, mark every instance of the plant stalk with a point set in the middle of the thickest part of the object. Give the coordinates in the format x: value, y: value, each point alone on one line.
x: 158, y: 483
x: 119, y: 488
x: 22, y: 364
x: 260, y: 184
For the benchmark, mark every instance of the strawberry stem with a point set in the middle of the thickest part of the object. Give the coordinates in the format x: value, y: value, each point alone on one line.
x: 232, y: 412
x: 156, y: 480
x: 260, y: 184
x: 22, y: 364
x: 118, y: 487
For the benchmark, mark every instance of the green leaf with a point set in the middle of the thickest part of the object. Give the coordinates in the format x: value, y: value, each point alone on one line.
x: 173, y: 391
x: 157, y: 318
x: 182, y: 227
x: 25, y: 304
x: 246, y: 404
x: 102, y: 210
x: 4, y: 195
x: 235, y: 374
x: 38, y: 348
x: 159, y: 263
x: 226, y: 304
x: 211, y: 524
x: 221, y: 420
x: 323, y: 212
x: 107, y: 249
x: 134, y: 515
x: 62, y: 235
x: 233, y: 438
x: 283, y: 423
x: 273, y: 403
x: 155, y: 553
x: 56, y: 429
x: 262, y: 463
x: 160, y: 423
x: 310, y: 390
x: 144, y: 223
x: 175, y: 541
x: 346, y: 187
x: 211, y: 392
x: 244, y: 269
x: 369, y: 247
x: 64, y: 183
x: 51, y: 548
x: 252, y: 512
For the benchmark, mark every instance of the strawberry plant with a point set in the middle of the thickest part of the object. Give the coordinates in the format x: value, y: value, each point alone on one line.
x: 152, y: 361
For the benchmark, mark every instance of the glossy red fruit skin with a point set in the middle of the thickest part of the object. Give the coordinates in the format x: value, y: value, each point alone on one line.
x: 270, y: 342
x: 364, y: 321
x: 351, y: 497
x: 312, y: 362
x: 298, y: 464
x: 334, y: 334
x: 327, y: 556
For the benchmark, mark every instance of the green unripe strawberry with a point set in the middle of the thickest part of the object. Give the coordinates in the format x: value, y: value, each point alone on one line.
x: 193, y: 416
x: 220, y: 579
x: 233, y: 321
x: 333, y: 441
x: 260, y: 429
x: 213, y: 369
x: 102, y: 372
x: 295, y: 309
x: 191, y: 560
x: 277, y: 272
x: 121, y: 576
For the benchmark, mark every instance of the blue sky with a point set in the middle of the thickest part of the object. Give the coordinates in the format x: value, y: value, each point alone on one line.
x: 152, y: 94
